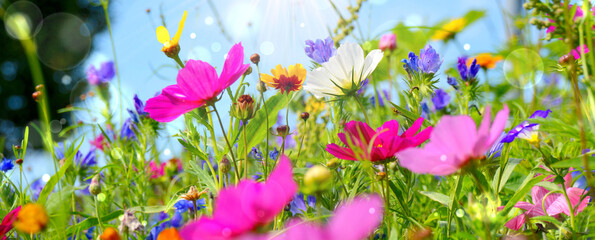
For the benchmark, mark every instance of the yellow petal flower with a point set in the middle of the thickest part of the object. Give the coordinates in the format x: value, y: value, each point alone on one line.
x: 162, y: 34
x: 449, y: 29
x: 297, y: 70
x: 180, y: 28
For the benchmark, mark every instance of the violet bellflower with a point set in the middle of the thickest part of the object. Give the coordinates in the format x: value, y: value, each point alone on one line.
x: 104, y: 74
x: 526, y: 130
x: 441, y: 99
x: 320, y: 50
x: 468, y: 74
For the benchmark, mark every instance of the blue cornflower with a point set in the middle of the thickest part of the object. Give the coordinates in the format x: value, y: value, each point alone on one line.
x: 274, y: 153
x: 104, y: 74
x: 127, y: 132
x: 6, y: 165
x: 184, y: 205
x: 526, y: 130
x: 298, y: 204
x: 467, y: 74
x: 452, y: 81
x: 139, y: 109
x: 441, y: 99
x: 320, y: 51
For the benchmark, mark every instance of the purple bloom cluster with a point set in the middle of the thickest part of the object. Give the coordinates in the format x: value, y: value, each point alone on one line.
x: 321, y: 50
x: 441, y: 99
x: 525, y: 127
x: 127, y: 132
x: 83, y: 161
x: 428, y: 61
x: 467, y: 74
x: 104, y: 74
x: 298, y: 204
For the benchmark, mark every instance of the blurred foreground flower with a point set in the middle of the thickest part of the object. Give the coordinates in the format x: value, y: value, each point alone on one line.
x: 169, y: 234
x: 104, y: 74
x: 344, y: 73
x: 486, y: 60
x: 353, y: 220
x: 286, y: 80
x: 197, y: 85
x: 170, y: 46
x: 31, y: 219
x: 109, y: 234
x: 455, y: 142
x: 388, y: 42
x: 239, y: 209
x: 363, y: 143
x: 7, y: 222
x: 6, y: 165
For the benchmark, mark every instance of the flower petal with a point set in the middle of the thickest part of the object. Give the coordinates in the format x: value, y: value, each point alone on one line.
x: 234, y: 66
x: 162, y: 34
x: 357, y: 219
x: 180, y: 28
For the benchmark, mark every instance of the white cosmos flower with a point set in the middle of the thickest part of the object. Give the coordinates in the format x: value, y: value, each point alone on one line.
x: 346, y: 71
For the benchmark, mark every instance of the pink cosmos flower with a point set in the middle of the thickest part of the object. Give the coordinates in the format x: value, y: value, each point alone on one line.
x: 553, y: 203
x: 242, y: 208
x: 454, y: 142
x: 6, y: 224
x: 576, y: 53
x: 385, y: 141
x: 387, y: 41
x: 354, y: 220
x: 197, y: 85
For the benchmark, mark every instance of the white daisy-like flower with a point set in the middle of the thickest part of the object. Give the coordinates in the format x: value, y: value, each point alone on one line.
x: 343, y: 73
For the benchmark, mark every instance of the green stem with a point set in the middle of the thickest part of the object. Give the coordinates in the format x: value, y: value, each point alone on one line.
x: 361, y: 107
x: 245, y: 153
x: 266, y: 111
x: 569, y: 207
x: 453, y: 199
x: 302, y: 140
x: 97, y: 213
x: 105, y: 4
x: 179, y: 61
x: 235, y: 165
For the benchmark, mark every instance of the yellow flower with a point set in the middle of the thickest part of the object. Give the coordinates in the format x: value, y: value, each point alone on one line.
x: 169, y: 234
x: 109, y: 234
x: 486, y: 60
x: 31, y: 219
x: 286, y: 80
x: 170, y: 46
x: 449, y: 29
x: 314, y: 106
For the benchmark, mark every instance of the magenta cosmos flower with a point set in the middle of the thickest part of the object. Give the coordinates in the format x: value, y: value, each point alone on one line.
x: 197, y: 85
x: 550, y: 204
x: 385, y: 141
x: 454, y: 142
x: 6, y: 224
x: 244, y: 207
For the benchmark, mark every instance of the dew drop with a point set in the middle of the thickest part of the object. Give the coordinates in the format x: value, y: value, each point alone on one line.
x: 443, y: 158
x: 372, y: 210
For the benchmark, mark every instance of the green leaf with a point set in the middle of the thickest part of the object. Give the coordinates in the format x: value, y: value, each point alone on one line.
x: 256, y: 129
x: 25, y: 142
x: 525, y: 187
x: 192, y: 149
x: 438, y: 197
x: 90, y: 222
x: 508, y: 169
x: 575, y: 163
x: 51, y: 184
x: 409, y: 115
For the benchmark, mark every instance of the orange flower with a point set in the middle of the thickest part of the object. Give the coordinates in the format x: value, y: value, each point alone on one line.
x: 286, y: 80
x: 31, y: 219
x: 109, y: 234
x: 486, y: 60
x: 169, y: 234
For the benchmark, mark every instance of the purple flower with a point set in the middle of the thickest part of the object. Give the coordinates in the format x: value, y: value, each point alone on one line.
x: 429, y: 60
x: 127, y: 132
x: 526, y: 130
x: 183, y: 206
x: 255, y: 153
x: 104, y: 74
x: 320, y: 51
x: 552, y: 78
x: 298, y: 205
x: 452, y: 81
x: 36, y: 188
x: 274, y: 153
x: 6, y: 165
x: 496, y: 149
x: 441, y: 99
x: 88, y: 160
x: 425, y: 110
x: 363, y: 87
x: 411, y: 66
x: 139, y: 107
x: 381, y: 97
x: 467, y: 74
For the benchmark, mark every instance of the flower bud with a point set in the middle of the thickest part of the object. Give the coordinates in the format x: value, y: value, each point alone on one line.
x: 95, y: 186
x: 248, y: 71
x: 243, y: 109
x: 19, y: 161
x: 261, y: 87
x: 565, y: 59
x: 380, y: 176
x: 333, y: 163
x: 393, y: 166
x: 148, y: 10
x: 36, y: 96
x: 225, y: 166
x: 171, y: 50
x: 283, y: 130
x: 388, y: 42
x: 39, y: 87
x: 304, y: 116
x: 193, y: 194
x: 317, y: 178
x: 17, y: 147
x: 255, y: 58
